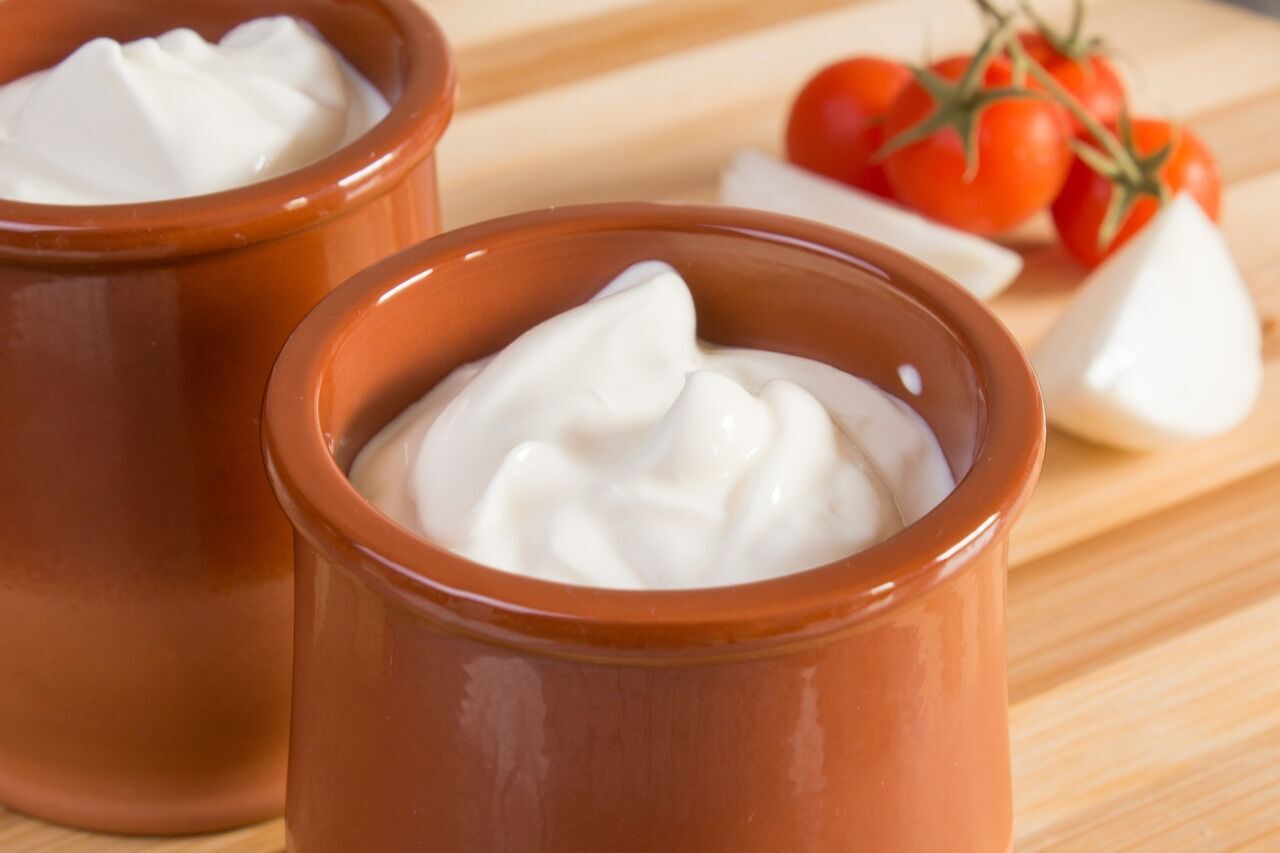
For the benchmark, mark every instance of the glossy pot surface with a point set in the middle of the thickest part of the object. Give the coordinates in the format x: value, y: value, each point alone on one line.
x: 145, y: 570
x: 447, y: 706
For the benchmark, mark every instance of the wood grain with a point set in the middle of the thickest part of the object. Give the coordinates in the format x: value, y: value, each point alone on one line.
x: 1144, y: 599
x: 1223, y: 801
x: 1138, y: 585
x: 527, y: 61
x: 23, y: 835
x: 469, y: 23
x: 1133, y: 724
x: 653, y: 129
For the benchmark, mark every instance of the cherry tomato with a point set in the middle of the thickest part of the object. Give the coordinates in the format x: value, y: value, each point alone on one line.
x: 837, y: 121
x: 1022, y: 147
x: 1080, y: 208
x: 1092, y: 80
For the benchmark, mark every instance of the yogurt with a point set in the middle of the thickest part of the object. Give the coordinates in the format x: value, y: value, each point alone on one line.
x: 176, y: 116
x: 609, y: 447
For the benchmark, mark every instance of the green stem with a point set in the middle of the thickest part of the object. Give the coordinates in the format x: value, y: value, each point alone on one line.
x: 991, y: 12
x: 995, y: 43
x: 1131, y: 174
x: 1072, y: 44
x: 1105, y: 138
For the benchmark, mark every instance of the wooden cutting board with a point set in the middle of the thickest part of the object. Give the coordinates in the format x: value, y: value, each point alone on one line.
x: 1144, y: 592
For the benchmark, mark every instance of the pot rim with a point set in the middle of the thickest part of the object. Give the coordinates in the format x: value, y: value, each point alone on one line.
x: 594, y: 623
x: 52, y: 234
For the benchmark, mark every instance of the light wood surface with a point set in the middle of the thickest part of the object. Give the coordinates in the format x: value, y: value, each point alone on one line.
x: 1144, y: 592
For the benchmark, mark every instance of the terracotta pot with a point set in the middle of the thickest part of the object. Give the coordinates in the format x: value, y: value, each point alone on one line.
x: 446, y: 706
x: 145, y: 593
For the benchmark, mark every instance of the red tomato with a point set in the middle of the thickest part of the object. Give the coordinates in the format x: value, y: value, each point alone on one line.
x: 1023, y: 148
x: 1080, y: 208
x: 837, y: 121
x: 1092, y: 80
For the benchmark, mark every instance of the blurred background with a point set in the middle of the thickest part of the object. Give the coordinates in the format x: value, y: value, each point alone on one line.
x: 1271, y: 7
x: 1143, y: 633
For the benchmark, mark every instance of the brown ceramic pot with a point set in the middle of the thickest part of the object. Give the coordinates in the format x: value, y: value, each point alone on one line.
x: 145, y: 594
x: 441, y: 705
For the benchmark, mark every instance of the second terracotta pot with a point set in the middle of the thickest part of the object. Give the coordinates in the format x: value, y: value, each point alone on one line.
x: 145, y: 586
x: 447, y: 706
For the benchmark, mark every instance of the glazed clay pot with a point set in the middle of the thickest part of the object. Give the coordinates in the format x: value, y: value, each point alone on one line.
x: 441, y: 705
x: 145, y: 590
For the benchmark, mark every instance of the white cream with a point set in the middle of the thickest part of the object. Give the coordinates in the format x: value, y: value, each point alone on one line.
x: 1161, y: 345
x: 176, y: 116
x: 754, y: 179
x: 609, y: 447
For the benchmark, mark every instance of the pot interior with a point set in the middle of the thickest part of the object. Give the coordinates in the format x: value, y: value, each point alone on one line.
x: 41, y: 33
x: 751, y: 289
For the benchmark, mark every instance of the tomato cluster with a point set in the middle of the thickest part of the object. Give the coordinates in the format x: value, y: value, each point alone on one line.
x: 973, y: 143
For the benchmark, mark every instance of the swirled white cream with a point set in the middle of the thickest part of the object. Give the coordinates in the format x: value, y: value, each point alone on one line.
x: 609, y: 447
x: 176, y: 116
